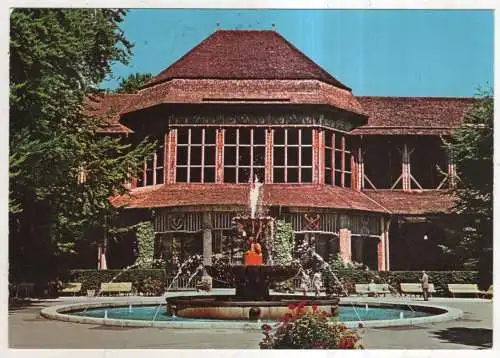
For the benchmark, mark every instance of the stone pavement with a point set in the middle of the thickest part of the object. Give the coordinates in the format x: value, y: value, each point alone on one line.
x: 28, y: 330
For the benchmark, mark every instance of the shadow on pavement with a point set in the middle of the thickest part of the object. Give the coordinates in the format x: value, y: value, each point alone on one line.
x: 477, y: 337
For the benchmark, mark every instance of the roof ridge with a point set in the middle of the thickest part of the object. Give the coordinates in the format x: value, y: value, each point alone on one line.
x: 419, y: 97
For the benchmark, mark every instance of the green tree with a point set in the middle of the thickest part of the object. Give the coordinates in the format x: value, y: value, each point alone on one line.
x: 471, y: 147
x: 132, y: 83
x: 57, y: 59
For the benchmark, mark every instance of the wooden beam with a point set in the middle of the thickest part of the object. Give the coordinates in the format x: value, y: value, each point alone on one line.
x: 342, y: 178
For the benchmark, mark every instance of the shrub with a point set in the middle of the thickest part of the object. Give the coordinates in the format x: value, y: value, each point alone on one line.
x: 303, y: 329
x: 146, y: 281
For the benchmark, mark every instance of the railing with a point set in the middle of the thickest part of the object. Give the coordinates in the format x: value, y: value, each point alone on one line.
x: 181, y: 284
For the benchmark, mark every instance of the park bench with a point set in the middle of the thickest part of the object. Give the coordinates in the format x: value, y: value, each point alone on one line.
x: 116, y: 287
x: 380, y: 288
x: 415, y: 289
x: 464, y: 288
x: 71, y: 287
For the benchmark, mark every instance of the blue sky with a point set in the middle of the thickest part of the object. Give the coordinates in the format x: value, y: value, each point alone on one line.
x: 375, y: 52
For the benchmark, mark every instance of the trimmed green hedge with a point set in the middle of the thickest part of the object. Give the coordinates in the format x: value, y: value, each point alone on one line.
x: 146, y: 281
x: 440, y: 279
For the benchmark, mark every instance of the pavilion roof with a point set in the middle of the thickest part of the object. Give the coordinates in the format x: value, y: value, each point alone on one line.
x: 415, y: 202
x: 292, y: 195
x: 245, y: 54
x: 109, y: 107
x: 412, y: 115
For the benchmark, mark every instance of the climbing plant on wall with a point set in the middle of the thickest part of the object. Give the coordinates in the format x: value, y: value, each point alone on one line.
x: 283, y: 243
x: 145, y: 236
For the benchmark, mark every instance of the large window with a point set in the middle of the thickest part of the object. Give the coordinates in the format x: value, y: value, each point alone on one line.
x: 337, y: 159
x: 196, y: 155
x: 153, y: 169
x: 244, y: 154
x: 292, y: 155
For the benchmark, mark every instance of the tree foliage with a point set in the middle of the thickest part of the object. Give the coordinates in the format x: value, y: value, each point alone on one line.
x: 133, y: 82
x: 283, y: 243
x: 471, y: 147
x: 57, y: 59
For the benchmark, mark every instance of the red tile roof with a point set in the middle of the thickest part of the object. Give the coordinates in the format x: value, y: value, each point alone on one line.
x: 412, y: 115
x: 295, y: 195
x: 245, y: 54
x: 244, y: 91
x: 108, y: 107
x: 416, y: 202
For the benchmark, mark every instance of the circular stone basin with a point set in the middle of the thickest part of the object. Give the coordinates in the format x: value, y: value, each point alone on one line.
x: 235, y: 308
x: 346, y: 313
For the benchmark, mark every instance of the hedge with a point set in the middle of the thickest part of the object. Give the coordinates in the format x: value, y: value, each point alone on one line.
x: 440, y: 279
x: 146, y: 281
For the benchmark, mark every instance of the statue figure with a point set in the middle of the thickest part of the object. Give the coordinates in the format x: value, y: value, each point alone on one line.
x: 253, y: 256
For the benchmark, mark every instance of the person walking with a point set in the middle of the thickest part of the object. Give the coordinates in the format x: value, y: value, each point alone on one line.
x: 425, y: 285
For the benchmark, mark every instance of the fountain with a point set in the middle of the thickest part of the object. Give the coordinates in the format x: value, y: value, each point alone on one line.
x: 252, y: 279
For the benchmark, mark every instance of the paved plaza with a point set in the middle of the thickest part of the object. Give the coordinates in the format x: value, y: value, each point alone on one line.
x: 27, y: 329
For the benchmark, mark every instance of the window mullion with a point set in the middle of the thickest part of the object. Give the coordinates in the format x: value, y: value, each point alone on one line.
x: 189, y: 157
x: 202, y: 179
x: 286, y: 156
x: 300, y: 156
x: 237, y: 155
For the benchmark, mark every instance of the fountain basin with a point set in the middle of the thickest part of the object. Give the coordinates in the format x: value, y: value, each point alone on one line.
x: 252, y: 282
x: 227, y: 307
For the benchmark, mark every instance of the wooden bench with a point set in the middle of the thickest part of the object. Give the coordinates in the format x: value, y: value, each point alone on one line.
x: 71, y: 287
x: 415, y: 289
x: 464, y: 288
x: 380, y: 288
x: 116, y: 287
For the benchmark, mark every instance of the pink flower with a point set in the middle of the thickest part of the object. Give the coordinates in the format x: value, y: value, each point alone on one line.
x: 314, y: 308
x: 291, y: 307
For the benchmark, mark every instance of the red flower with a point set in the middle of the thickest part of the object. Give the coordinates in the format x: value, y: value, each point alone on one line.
x: 291, y: 307
x: 314, y: 308
x: 346, y: 343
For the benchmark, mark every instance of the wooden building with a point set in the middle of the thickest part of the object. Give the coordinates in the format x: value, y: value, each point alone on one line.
x: 366, y: 177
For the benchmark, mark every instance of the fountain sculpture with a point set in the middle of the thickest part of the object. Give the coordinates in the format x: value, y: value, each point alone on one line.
x: 252, y: 279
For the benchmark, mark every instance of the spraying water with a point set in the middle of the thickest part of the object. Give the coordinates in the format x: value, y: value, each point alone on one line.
x: 254, y: 196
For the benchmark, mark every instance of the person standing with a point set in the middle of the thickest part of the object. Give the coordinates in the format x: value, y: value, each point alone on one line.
x: 304, y: 282
x: 425, y: 285
x: 317, y: 283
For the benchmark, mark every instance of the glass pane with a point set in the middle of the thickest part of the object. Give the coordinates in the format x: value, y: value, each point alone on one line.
x: 306, y: 175
x: 328, y: 176
x: 209, y: 155
x: 338, y: 140
x: 210, y: 134
x: 195, y: 155
x: 159, y: 156
x: 259, y: 155
x: 181, y: 175
x: 279, y: 136
x: 292, y: 136
x: 338, y: 160
x: 306, y: 136
x: 292, y: 156
x: 328, y: 138
x: 292, y: 175
x: 244, y: 135
x: 159, y: 176
x: 196, y: 135
x: 244, y: 156
x: 230, y: 136
x: 195, y: 175
x: 259, y: 172
x: 229, y: 155
x: 338, y: 178
x: 278, y: 175
x: 348, y: 162
x: 229, y: 175
x: 243, y: 175
x: 279, y: 155
x: 182, y: 135
x: 182, y: 155
x: 259, y: 136
x: 347, y: 180
x: 307, y: 156
x: 149, y: 177
x: 328, y: 158
x: 209, y: 175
